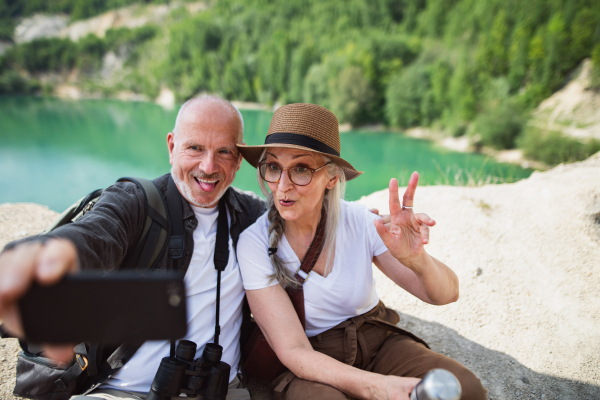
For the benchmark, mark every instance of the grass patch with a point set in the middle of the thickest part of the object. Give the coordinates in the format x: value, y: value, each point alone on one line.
x: 458, y: 176
x: 552, y: 147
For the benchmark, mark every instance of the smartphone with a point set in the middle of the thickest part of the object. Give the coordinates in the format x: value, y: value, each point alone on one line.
x: 116, y: 308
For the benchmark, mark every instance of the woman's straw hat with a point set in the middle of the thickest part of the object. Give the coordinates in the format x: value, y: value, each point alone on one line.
x: 306, y: 127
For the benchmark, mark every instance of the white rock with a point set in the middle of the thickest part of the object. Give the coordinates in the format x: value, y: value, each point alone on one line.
x: 166, y: 98
x: 40, y: 26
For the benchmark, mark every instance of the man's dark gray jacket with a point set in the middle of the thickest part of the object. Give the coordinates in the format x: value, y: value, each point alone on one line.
x: 106, y: 234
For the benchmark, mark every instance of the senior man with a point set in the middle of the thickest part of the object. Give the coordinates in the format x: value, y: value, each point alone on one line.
x: 204, y: 159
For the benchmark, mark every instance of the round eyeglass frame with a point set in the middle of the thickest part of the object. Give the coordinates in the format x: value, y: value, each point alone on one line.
x: 312, y: 171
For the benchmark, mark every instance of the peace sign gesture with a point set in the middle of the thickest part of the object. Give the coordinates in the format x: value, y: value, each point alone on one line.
x: 407, y: 232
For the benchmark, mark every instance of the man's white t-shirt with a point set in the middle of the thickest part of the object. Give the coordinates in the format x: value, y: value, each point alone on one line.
x: 201, y: 283
x: 347, y: 291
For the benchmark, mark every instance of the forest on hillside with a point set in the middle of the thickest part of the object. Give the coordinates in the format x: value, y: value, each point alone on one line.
x: 474, y: 67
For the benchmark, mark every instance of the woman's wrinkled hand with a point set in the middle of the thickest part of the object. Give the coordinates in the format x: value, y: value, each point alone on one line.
x: 396, y: 388
x: 407, y: 232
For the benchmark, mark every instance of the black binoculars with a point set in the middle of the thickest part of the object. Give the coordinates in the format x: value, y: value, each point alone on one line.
x: 206, y: 378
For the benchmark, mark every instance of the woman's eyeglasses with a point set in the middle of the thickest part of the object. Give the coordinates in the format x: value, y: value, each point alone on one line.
x: 299, y: 175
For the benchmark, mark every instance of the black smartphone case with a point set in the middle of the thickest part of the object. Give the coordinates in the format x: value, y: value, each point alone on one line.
x: 112, y: 309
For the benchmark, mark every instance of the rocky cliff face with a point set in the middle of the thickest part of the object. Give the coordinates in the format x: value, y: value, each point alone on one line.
x: 40, y: 26
x: 47, y: 26
x: 574, y: 110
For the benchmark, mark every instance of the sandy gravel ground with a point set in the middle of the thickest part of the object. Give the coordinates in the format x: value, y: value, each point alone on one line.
x: 528, y: 258
x: 17, y: 221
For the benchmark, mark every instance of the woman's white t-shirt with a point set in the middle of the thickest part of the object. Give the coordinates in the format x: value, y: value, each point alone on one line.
x: 347, y: 291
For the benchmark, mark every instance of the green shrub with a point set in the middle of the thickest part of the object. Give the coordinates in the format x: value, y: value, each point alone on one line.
x: 500, y: 127
x: 500, y: 124
x: 7, y: 27
x: 554, y: 147
x: 502, y: 116
x: 46, y: 55
x: 123, y: 36
x: 90, y: 51
x: 11, y: 82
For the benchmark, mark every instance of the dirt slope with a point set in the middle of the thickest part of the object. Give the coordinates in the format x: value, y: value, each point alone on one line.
x: 528, y: 258
x: 574, y: 110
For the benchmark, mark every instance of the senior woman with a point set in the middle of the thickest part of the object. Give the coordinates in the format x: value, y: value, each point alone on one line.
x: 350, y: 346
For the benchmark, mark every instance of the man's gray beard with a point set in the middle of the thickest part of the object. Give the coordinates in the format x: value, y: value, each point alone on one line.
x: 186, y: 192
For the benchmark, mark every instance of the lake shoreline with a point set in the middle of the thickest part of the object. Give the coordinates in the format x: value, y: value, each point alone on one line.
x: 166, y: 100
x: 67, y: 140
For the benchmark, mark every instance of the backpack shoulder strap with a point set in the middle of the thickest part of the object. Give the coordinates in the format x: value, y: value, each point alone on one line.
x: 75, y: 211
x: 153, y: 240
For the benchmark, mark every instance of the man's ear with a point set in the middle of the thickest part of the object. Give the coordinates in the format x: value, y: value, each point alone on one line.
x: 241, y: 159
x: 171, y: 146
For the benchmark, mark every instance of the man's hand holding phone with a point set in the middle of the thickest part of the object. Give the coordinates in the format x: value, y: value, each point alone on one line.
x: 44, y: 300
x: 30, y: 263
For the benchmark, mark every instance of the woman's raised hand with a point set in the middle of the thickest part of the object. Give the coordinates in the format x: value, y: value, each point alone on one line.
x: 407, y: 232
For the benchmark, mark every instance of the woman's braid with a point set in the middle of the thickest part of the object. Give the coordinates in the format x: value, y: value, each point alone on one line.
x: 280, y: 272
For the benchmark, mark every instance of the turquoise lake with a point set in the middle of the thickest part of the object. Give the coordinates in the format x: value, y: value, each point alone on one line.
x: 53, y: 152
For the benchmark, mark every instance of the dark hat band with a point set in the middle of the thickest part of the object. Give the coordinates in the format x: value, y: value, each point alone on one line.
x: 300, y: 140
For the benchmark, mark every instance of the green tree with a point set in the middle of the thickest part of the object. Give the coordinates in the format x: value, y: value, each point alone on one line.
x: 272, y: 67
x: 501, y: 120
x: 462, y: 91
x: 582, y: 34
x: 351, y: 95
x: 404, y: 96
x: 537, y: 55
x: 555, y: 63
x: 433, y: 18
x: 595, y: 79
x: 316, y: 86
x: 492, y: 55
x: 518, y: 56
x: 441, y: 73
x: 302, y: 58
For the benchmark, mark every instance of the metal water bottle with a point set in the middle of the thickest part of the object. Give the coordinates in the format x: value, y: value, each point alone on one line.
x: 437, y: 384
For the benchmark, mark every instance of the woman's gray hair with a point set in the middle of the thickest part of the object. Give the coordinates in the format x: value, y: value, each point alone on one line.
x: 331, y: 202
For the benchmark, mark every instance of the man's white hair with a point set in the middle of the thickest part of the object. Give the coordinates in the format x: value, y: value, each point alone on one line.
x: 211, y: 99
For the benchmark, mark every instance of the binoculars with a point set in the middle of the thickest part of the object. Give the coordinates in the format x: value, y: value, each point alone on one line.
x: 206, y: 378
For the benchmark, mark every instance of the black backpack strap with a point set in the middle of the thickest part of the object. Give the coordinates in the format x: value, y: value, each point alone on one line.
x: 221, y: 257
x: 80, y: 365
x: 153, y: 240
x: 177, y: 238
x: 93, y: 354
x: 75, y: 210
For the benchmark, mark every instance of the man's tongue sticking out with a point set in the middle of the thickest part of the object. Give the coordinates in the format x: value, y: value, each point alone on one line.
x: 206, y: 185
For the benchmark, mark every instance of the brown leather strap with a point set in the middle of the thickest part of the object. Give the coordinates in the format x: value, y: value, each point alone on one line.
x: 312, y: 255
x: 315, y: 249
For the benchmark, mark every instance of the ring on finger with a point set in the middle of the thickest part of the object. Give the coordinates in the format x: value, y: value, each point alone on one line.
x: 407, y: 207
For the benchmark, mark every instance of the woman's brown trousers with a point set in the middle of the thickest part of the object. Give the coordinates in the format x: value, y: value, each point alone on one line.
x: 373, y: 343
